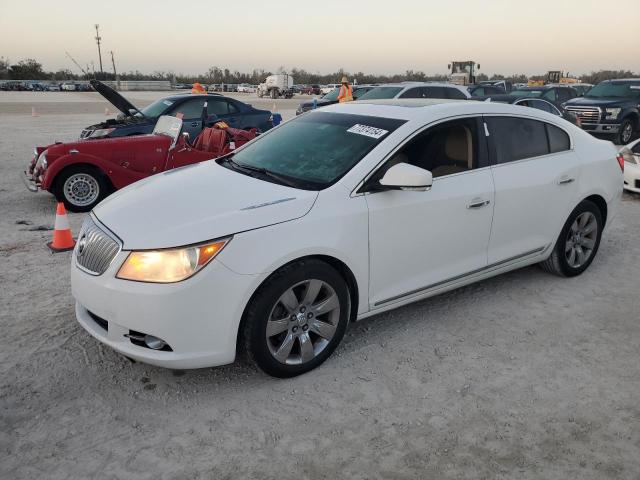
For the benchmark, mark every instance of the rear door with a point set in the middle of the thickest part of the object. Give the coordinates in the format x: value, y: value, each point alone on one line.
x: 535, y: 172
x: 227, y: 111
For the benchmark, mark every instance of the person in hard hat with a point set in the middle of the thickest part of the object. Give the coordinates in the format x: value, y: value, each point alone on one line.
x: 346, y: 92
x: 197, y: 88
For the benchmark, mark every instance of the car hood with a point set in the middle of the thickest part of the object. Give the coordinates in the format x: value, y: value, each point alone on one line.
x: 599, y: 102
x: 113, y: 97
x: 197, y: 203
x: 131, y: 147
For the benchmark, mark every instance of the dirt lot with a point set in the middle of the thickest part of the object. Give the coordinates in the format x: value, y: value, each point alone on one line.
x: 524, y: 376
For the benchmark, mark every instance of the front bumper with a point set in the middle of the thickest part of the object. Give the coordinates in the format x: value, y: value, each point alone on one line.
x: 632, y: 177
x: 29, y: 181
x: 604, y: 128
x: 198, y: 318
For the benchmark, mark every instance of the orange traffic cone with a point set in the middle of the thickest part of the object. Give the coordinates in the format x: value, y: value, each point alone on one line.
x: 62, y: 239
x: 33, y: 112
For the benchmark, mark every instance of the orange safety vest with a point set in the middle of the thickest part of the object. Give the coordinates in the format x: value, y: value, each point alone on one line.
x: 346, y: 94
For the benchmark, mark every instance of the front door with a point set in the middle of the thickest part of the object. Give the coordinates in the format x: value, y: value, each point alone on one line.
x: 419, y: 240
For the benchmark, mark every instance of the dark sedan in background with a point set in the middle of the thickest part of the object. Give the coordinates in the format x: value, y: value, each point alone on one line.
x: 332, y: 97
x: 189, y: 107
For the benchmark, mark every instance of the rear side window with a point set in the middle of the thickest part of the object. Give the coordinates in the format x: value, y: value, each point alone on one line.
x: 455, y: 94
x: 217, y: 107
x: 558, y: 139
x: 434, y: 92
x: 520, y: 138
x: 517, y: 138
x: 413, y: 93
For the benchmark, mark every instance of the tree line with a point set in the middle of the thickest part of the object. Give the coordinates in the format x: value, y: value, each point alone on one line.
x: 30, y: 69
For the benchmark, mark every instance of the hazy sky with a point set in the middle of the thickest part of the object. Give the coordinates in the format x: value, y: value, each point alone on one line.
x: 379, y: 36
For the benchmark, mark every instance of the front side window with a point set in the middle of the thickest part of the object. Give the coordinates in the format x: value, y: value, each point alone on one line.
x: 478, y: 92
x: 317, y: 149
x: 190, y: 108
x: 157, y: 108
x: 445, y: 149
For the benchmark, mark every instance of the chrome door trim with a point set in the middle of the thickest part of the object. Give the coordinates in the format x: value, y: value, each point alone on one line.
x: 463, y: 276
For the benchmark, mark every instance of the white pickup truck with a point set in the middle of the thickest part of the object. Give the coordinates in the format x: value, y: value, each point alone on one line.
x: 276, y: 86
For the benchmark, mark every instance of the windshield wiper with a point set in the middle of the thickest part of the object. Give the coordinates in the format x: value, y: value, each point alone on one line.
x: 263, y: 171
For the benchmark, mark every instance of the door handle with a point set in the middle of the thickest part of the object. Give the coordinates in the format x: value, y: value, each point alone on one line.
x: 566, y: 180
x: 478, y: 203
x: 195, y: 124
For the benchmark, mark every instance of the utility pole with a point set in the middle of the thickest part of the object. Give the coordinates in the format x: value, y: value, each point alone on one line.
x: 115, y: 74
x: 98, y: 38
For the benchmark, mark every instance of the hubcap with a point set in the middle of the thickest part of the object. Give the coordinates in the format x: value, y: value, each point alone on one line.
x: 627, y: 132
x: 581, y: 239
x: 302, y: 322
x: 81, y: 189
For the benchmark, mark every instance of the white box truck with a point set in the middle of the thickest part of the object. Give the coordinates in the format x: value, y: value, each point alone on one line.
x: 276, y: 86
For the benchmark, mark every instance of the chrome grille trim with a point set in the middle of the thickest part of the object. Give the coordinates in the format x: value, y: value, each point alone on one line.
x: 95, y: 249
x: 586, y: 114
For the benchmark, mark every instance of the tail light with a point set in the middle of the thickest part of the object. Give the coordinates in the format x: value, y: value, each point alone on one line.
x: 620, y: 159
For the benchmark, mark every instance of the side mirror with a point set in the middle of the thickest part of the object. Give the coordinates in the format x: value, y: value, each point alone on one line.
x: 407, y: 177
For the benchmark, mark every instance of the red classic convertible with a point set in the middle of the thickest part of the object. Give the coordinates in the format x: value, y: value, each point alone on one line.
x: 82, y: 173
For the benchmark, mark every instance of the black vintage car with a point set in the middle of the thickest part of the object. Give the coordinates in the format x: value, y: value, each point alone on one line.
x: 134, y: 121
x: 612, y: 107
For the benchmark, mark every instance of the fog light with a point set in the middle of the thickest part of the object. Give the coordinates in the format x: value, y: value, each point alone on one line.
x: 154, y: 343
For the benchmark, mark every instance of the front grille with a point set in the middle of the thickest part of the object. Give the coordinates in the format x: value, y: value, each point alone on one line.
x: 585, y: 114
x: 95, y: 249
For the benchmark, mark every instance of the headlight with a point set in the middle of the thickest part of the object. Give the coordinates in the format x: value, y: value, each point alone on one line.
x: 612, y: 113
x: 101, y: 132
x: 168, y: 266
x: 41, y: 163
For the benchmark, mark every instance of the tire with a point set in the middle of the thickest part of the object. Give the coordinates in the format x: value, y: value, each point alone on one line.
x: 279, y: 330
x: 625, y: 133
x: 80, y: 187
x: 577, y: 243
x: 274, y: 93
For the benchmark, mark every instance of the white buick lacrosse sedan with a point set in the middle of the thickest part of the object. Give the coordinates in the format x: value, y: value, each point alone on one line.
x: 340, y: 214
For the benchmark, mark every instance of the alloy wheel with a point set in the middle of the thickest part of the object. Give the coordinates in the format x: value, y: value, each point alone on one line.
x: 627, y: 133
x: 302, y: 322
x: 581, y: 239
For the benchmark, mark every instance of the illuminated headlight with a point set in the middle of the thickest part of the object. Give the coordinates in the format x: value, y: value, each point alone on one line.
x: 170, y: 265
x: 101, y: 132
x: 612, y: 113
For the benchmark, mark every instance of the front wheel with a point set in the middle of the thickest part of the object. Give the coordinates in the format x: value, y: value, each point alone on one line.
x: 297, y: 318
x: 80, y: 187
x: 625, y: 133
x: 578, y: 242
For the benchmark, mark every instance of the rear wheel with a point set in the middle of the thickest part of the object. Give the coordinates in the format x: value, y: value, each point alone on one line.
x: 274, y: 93
x: 80, y: 187
x: 578, y: 242
x: 297, y: 318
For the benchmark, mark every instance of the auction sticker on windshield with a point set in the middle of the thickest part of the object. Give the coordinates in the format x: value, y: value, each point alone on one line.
x: 368, y: 131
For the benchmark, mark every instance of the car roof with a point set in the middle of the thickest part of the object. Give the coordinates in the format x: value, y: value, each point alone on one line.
x: 421, y: 110
x: 624, y: 80
x: 190, y: 95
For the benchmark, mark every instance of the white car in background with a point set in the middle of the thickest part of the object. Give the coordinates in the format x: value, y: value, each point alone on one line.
x: 337, y: 215
x: 330, y: 87
x: 418, y: 90
x: 246, y: 88
x: 631, y: 154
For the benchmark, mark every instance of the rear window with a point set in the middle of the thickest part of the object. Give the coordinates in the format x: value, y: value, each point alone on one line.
x: 380, y: 93
x: 317, y: 149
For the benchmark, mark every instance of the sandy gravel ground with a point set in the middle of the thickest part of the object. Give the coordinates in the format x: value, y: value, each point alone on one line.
x: 525, y: 376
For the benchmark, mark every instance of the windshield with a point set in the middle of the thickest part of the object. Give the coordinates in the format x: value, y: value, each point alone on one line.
x: 381, y: 93
x: 526, y: 93
x: 617, y: 90
x: 332, y: 95
x: 157, y: 108
x: 317, y: 149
